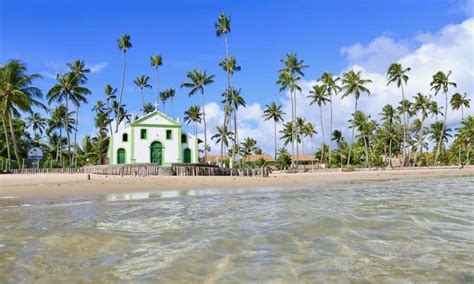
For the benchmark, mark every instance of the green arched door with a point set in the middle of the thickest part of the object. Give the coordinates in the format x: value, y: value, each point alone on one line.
x: 187, y: 155
x: 156, y: 153
x: 121, y: 156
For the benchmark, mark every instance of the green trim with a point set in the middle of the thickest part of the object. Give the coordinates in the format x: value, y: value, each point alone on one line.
x: 111, y: 150
x: 146, y: 133
x: 196, y: 151
x: 171, y: 134
x: 155, y: 125
x: 132, y: 145
x: 125, y: 156
x: 156, y: 113
x: 162, y: 151
x: 180, y: 153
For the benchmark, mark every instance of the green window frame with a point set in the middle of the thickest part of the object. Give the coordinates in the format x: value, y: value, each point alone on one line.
x: 169, y: 134
x: 143, y: 134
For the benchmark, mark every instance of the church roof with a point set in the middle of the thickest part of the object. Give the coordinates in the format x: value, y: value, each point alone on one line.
x: 156, y: 117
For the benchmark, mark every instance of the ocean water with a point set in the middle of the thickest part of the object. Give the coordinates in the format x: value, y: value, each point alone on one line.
x: 410, y: 231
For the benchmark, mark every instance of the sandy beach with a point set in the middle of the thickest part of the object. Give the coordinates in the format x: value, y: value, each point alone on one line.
x: 78, y: 185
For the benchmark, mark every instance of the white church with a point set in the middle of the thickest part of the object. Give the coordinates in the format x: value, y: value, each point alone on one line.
x: 153, y: 138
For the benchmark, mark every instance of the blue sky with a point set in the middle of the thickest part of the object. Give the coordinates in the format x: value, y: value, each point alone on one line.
x: 47, y: 34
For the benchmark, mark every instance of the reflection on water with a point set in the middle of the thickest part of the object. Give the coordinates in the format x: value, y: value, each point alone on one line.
x: 398, y: 231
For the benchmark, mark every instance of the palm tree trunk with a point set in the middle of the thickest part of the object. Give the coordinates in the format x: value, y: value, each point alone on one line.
x: 7, y: 142
x: 442, y: 129
x: 172, y: 108
x: 275, y: 131
x: 460, y: 146
x: 322, y: 132
x: 205, y: 127
x: 420, y: 141
x: 330, y: 131
x: 75, y: 137
x: 236, y: 134
x: 15, y: 147
x: 157, y: 89
x: 390, y: 153
x: 292, y: 132
x: 366, y: 152
x: 121, y: 90
x: 352, y: 136
x: 296, y: 136
x: 67, y: 130
x: 404, y: 129
x: 143, y: 101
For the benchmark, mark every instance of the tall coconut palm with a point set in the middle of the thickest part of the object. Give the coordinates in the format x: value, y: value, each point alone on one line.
x: 289, y: 82
x: 193, y: 115
x: 16, y: 95
x: 398, y: 75
x: 436, y: 110
x: 337, y: 136
x: 36, y: 122
x: 441, y: 83
x: 320, y: 96
x: 248, y: 147
x: 440, y: 135
x: 459, y: 101
x: 124, y: 44
x: 275, y: 113
x: 352, y: 83
x: 78, y: 68
x: 330, y: 84
x: 109, y: 96
x: 309, y: 130
x: 223, y: 136
x: 223, y: 29
x: 65, y: 89
x: 466, y: 132
x: 156, y: 61
x: 142, y: 82
x: 198, y: 80
x: 148, y: 108
x: 292, y: 66
x: 421, y: 105
x: 170, y: 96
x: 163, y: 98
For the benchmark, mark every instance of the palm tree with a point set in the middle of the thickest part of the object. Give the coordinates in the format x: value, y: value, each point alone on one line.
x: 109, y: 96
x: 193, y: 114
x: 142, y: 82
x: 36, y: 122
x: 441, y: 83
x: 288, y: 134
x: 65, y: 89
x: 223, y: 28
x: 249, y: 146
x: 79, y: 69
x: 57, y: 122
x: 170, y: 96
x: 275, y: 113
x: 440, y: 135
x: 124, y: 44
x: 459, y: 101
x: 435, y: 110
x: 222, y: 136
x: 352, y: 83
x: 422, y: 106
x: 337, y: 136
x: 300, y: 124
x: 287, y: 81
x: 310, y: 130
x: 466, y: 132
x: 329, y: 82
x: 361, y: 121
x: 197, y: 82
x: 163, y: 98
x: 156, y: 61
x: 147, y: 108
x: 319, y: 95
x: 396, y: 74
x: 16, y: 94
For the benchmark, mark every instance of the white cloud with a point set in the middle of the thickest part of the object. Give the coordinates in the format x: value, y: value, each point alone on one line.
x: 449, y: 49
x: 99, y: 67
x: 49, y: 75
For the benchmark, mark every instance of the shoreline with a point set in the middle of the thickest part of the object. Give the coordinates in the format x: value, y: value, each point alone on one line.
x: 59, y: 186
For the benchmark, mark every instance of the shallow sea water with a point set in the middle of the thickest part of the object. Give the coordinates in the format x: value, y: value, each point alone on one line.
x: 410, y: 231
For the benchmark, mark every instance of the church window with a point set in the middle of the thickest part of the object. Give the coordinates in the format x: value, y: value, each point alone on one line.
x: 169, y: 134
x: 142, y: 133
x: 125, y: 137
x: 184, y: 138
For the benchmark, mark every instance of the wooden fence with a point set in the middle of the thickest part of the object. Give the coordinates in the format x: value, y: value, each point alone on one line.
x: 151, y: 170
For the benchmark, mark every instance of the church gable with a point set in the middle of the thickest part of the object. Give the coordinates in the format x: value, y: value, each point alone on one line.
x: 155, y: 118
